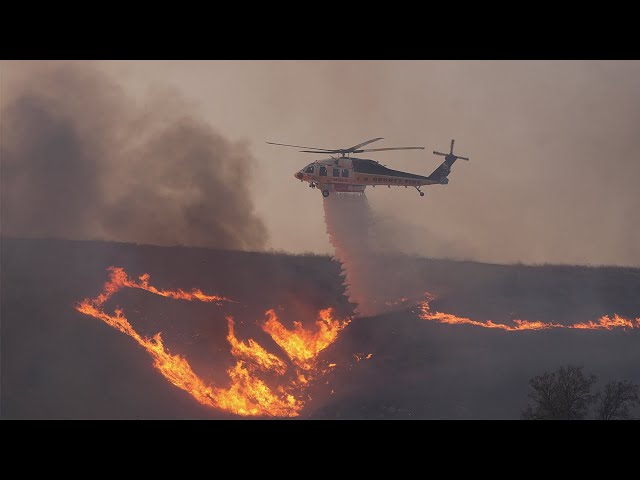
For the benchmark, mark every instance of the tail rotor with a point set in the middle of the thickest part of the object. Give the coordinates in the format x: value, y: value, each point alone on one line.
x: 450, y: 155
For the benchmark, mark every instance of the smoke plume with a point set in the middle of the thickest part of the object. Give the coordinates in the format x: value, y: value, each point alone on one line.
x: 80, y: 159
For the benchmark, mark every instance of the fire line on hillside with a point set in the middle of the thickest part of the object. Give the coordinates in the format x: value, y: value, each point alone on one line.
x: 262, y: 383
x: 249, y: 393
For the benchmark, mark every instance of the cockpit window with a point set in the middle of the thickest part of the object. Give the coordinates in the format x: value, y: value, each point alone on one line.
x: 336, y: 172
x: 309, y: 169
x: 323, y: 171
x: 345, y: 172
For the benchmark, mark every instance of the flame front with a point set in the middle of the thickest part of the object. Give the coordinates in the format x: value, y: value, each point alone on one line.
x: 301, y: 345
x: 603, y: 323
x: 606, y: 323
x: 119, y: 279
x: 253, y: 351
x: 247, y: 393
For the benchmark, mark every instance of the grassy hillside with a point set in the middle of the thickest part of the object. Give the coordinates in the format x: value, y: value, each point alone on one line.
x: 58, y: 363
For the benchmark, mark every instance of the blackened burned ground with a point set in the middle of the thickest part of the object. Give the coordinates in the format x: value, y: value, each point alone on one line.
x: 57, y: 363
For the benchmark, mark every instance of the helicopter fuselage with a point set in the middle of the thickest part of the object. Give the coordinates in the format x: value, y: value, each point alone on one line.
x: 346, y: 174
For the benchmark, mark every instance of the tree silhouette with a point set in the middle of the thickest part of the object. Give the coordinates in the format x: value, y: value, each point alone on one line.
x: 616, y: 400
x: 561, y: 395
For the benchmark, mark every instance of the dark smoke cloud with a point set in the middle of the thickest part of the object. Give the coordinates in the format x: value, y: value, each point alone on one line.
x: 81, y: 159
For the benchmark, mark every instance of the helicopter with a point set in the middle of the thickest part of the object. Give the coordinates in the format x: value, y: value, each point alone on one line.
x: 343, y: 173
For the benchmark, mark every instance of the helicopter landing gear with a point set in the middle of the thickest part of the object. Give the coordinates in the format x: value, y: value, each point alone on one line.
x: 325, y: 193
x: 421, y: 193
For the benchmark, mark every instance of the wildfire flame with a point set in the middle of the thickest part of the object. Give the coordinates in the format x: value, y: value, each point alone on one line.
x: 247, y: 393
x: 303, y: 346
x: 606, y: 323
x: 119, y: 279
x: 253, y: 351
x: 603, y: 323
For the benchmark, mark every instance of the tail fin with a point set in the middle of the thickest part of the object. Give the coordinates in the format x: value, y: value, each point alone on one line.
x: 440, y: 174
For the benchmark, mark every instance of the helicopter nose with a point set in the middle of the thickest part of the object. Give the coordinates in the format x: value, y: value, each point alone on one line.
x: 298, y: 175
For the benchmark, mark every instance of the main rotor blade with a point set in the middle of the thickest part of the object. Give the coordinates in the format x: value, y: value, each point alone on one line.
x: 300, y: 146
x: 389, y: 148
x: 463, y: 158
x: 452, y: 146
x: 440, y: 153
x: 355, y: 147
x: 320, y: 151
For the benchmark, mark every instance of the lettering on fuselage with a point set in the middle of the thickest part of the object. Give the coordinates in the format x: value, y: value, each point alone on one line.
x: 361, y: 180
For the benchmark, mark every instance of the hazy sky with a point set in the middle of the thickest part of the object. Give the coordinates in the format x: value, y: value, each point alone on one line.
x: 554, y: 147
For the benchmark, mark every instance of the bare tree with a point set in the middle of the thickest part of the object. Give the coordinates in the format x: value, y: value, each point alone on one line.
x: 561, y: 395
x: 617, y: 399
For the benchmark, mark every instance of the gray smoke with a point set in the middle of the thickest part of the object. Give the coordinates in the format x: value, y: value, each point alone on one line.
x: 81, y: 159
